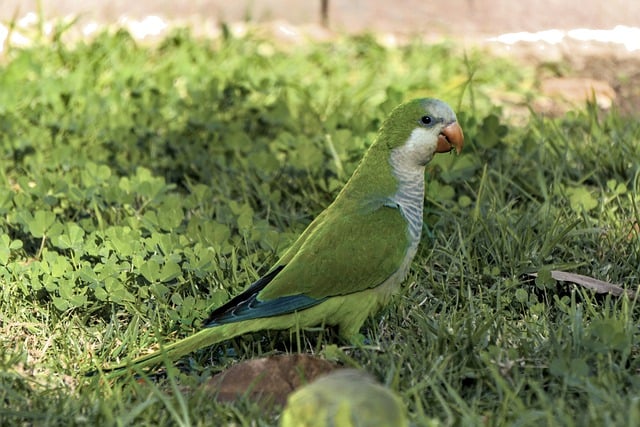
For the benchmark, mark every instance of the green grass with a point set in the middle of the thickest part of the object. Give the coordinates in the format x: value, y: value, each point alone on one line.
x: 143, y: 186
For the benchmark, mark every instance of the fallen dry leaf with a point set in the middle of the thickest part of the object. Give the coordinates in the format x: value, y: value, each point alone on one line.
x: 268, y: 380
x: 596, y: 285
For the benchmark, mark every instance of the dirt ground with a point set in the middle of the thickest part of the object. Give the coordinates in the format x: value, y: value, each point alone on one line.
x: 575, y: 73
x: 622, y: 74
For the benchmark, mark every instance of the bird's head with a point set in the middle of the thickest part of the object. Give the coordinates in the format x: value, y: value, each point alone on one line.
x: 420, y: 128
x: 406, y: 142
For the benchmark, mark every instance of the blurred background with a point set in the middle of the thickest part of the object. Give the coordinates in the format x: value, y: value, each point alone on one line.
x: 599, y: 42
x: 453, y: 16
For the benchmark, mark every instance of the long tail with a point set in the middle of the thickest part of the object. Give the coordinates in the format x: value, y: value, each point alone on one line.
x: 201, y: 339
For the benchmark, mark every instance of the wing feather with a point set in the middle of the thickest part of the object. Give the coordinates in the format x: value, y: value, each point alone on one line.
x: 346, y: 254
x: 339, y: 255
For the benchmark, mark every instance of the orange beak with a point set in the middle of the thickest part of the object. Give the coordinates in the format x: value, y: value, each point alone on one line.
x: 451, y: 137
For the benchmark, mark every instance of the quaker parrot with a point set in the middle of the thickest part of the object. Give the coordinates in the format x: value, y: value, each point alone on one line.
x: 344, y: 398
x: 354, y: 255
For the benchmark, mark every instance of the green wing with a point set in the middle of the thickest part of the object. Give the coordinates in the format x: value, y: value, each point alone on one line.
x: 337, y: 254
x: 344, y: 254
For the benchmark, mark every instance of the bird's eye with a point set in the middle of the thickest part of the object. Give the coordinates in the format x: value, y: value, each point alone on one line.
x: 426, y: 120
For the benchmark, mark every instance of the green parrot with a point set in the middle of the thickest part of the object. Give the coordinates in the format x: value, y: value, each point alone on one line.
x: 352, y: 258
x: 344, y: 398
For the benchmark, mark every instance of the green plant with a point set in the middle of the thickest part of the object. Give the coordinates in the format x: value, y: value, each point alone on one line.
x: 144, y: 185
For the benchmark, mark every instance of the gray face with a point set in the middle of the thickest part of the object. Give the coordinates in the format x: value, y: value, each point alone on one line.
x: 439, y: 111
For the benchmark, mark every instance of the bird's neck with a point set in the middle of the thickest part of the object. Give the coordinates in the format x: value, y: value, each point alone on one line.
x: 409, y: 197
x: 407, y: 166
x: 372, y: 183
